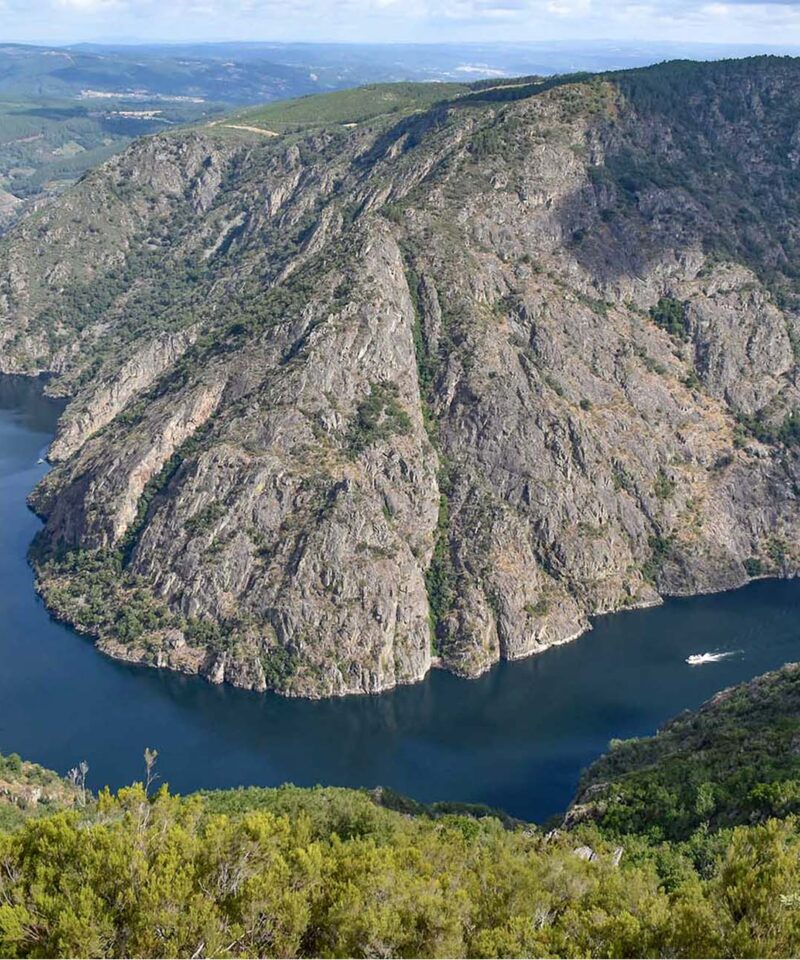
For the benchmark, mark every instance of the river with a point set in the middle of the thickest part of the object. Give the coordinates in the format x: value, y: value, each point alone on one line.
x: 517, y: 738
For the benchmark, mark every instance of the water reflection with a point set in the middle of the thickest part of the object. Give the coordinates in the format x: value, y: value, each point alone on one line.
x: 516, y: 738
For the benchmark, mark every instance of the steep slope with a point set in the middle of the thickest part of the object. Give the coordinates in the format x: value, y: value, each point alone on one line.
x: 355, y: 397
x: 733, y: 761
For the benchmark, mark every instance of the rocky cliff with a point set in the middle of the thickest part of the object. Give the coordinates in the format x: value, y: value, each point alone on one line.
x: 369, y: 396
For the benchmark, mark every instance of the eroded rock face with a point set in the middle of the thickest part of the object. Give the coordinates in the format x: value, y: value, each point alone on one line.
x: 443, y: 389
x: 99, y: 403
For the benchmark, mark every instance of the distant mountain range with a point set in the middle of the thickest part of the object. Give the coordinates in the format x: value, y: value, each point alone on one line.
x: 241, y: 73
x: 156, y: 72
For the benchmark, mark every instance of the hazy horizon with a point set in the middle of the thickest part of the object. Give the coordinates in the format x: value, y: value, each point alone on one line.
x: 744, y: 49
x: 773, y: 24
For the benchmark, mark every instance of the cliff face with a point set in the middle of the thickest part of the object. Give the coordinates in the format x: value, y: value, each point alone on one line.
x: 347, y: 400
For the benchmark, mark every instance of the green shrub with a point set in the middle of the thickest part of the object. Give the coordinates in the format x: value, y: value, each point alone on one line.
x: 440, y: 578
x: 379, y: 416
x: 664, y: 486
x: 330, y: 873
x: 670, y: 315
x: 205, y: 518
x: 660, y: 551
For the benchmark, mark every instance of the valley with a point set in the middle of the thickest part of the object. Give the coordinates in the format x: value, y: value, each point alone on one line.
x: 516, y: 739
x: 435, y: 442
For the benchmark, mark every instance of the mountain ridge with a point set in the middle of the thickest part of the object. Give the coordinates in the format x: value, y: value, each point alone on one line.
x: 357, y: 400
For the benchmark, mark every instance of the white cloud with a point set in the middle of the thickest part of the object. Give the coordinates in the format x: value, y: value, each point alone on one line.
x: 569, y: 8
x: 89, y: 6
x: 745, y: 21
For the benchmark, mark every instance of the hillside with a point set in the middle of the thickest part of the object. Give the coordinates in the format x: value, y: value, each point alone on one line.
x: 45, y: 144
x: 383, y: 392
x: 28, y: 790
x: 66, y: 110
x: 734, y: 761
x: 327, y: 872
x: 63, y: 111
x: 367, y: 103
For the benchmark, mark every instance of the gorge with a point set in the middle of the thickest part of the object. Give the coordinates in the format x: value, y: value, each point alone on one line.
x: 517, y: 738
x: 400, y: 483
x: 428, y: 375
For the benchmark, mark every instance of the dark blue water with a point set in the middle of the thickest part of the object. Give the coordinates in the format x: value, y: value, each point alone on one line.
x: 517, y: 738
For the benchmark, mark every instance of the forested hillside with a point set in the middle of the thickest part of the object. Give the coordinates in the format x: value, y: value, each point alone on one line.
x: 734, y: 761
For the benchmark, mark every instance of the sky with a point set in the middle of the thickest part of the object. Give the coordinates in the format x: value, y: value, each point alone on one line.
x: 771, y: 22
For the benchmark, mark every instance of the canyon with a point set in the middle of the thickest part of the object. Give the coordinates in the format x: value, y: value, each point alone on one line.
x: 426, y: 388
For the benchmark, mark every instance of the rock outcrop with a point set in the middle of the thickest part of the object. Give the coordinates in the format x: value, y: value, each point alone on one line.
x: 353, y: 402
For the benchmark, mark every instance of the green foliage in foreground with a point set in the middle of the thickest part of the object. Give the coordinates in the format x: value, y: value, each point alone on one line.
x: 294, y: 872
x: 734, y: 761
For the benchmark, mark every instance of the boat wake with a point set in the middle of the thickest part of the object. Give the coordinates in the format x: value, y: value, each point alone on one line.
x: 697, y: 658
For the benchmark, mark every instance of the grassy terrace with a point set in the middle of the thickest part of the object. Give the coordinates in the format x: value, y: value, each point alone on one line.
x: 345, y: 106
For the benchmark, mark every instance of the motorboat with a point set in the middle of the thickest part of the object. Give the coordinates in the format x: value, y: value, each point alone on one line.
x: 697, y: 658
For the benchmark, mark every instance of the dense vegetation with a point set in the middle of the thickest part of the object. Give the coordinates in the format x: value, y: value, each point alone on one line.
x: 734, y: 761
x: 688, y: 847
x: 328, y: 872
